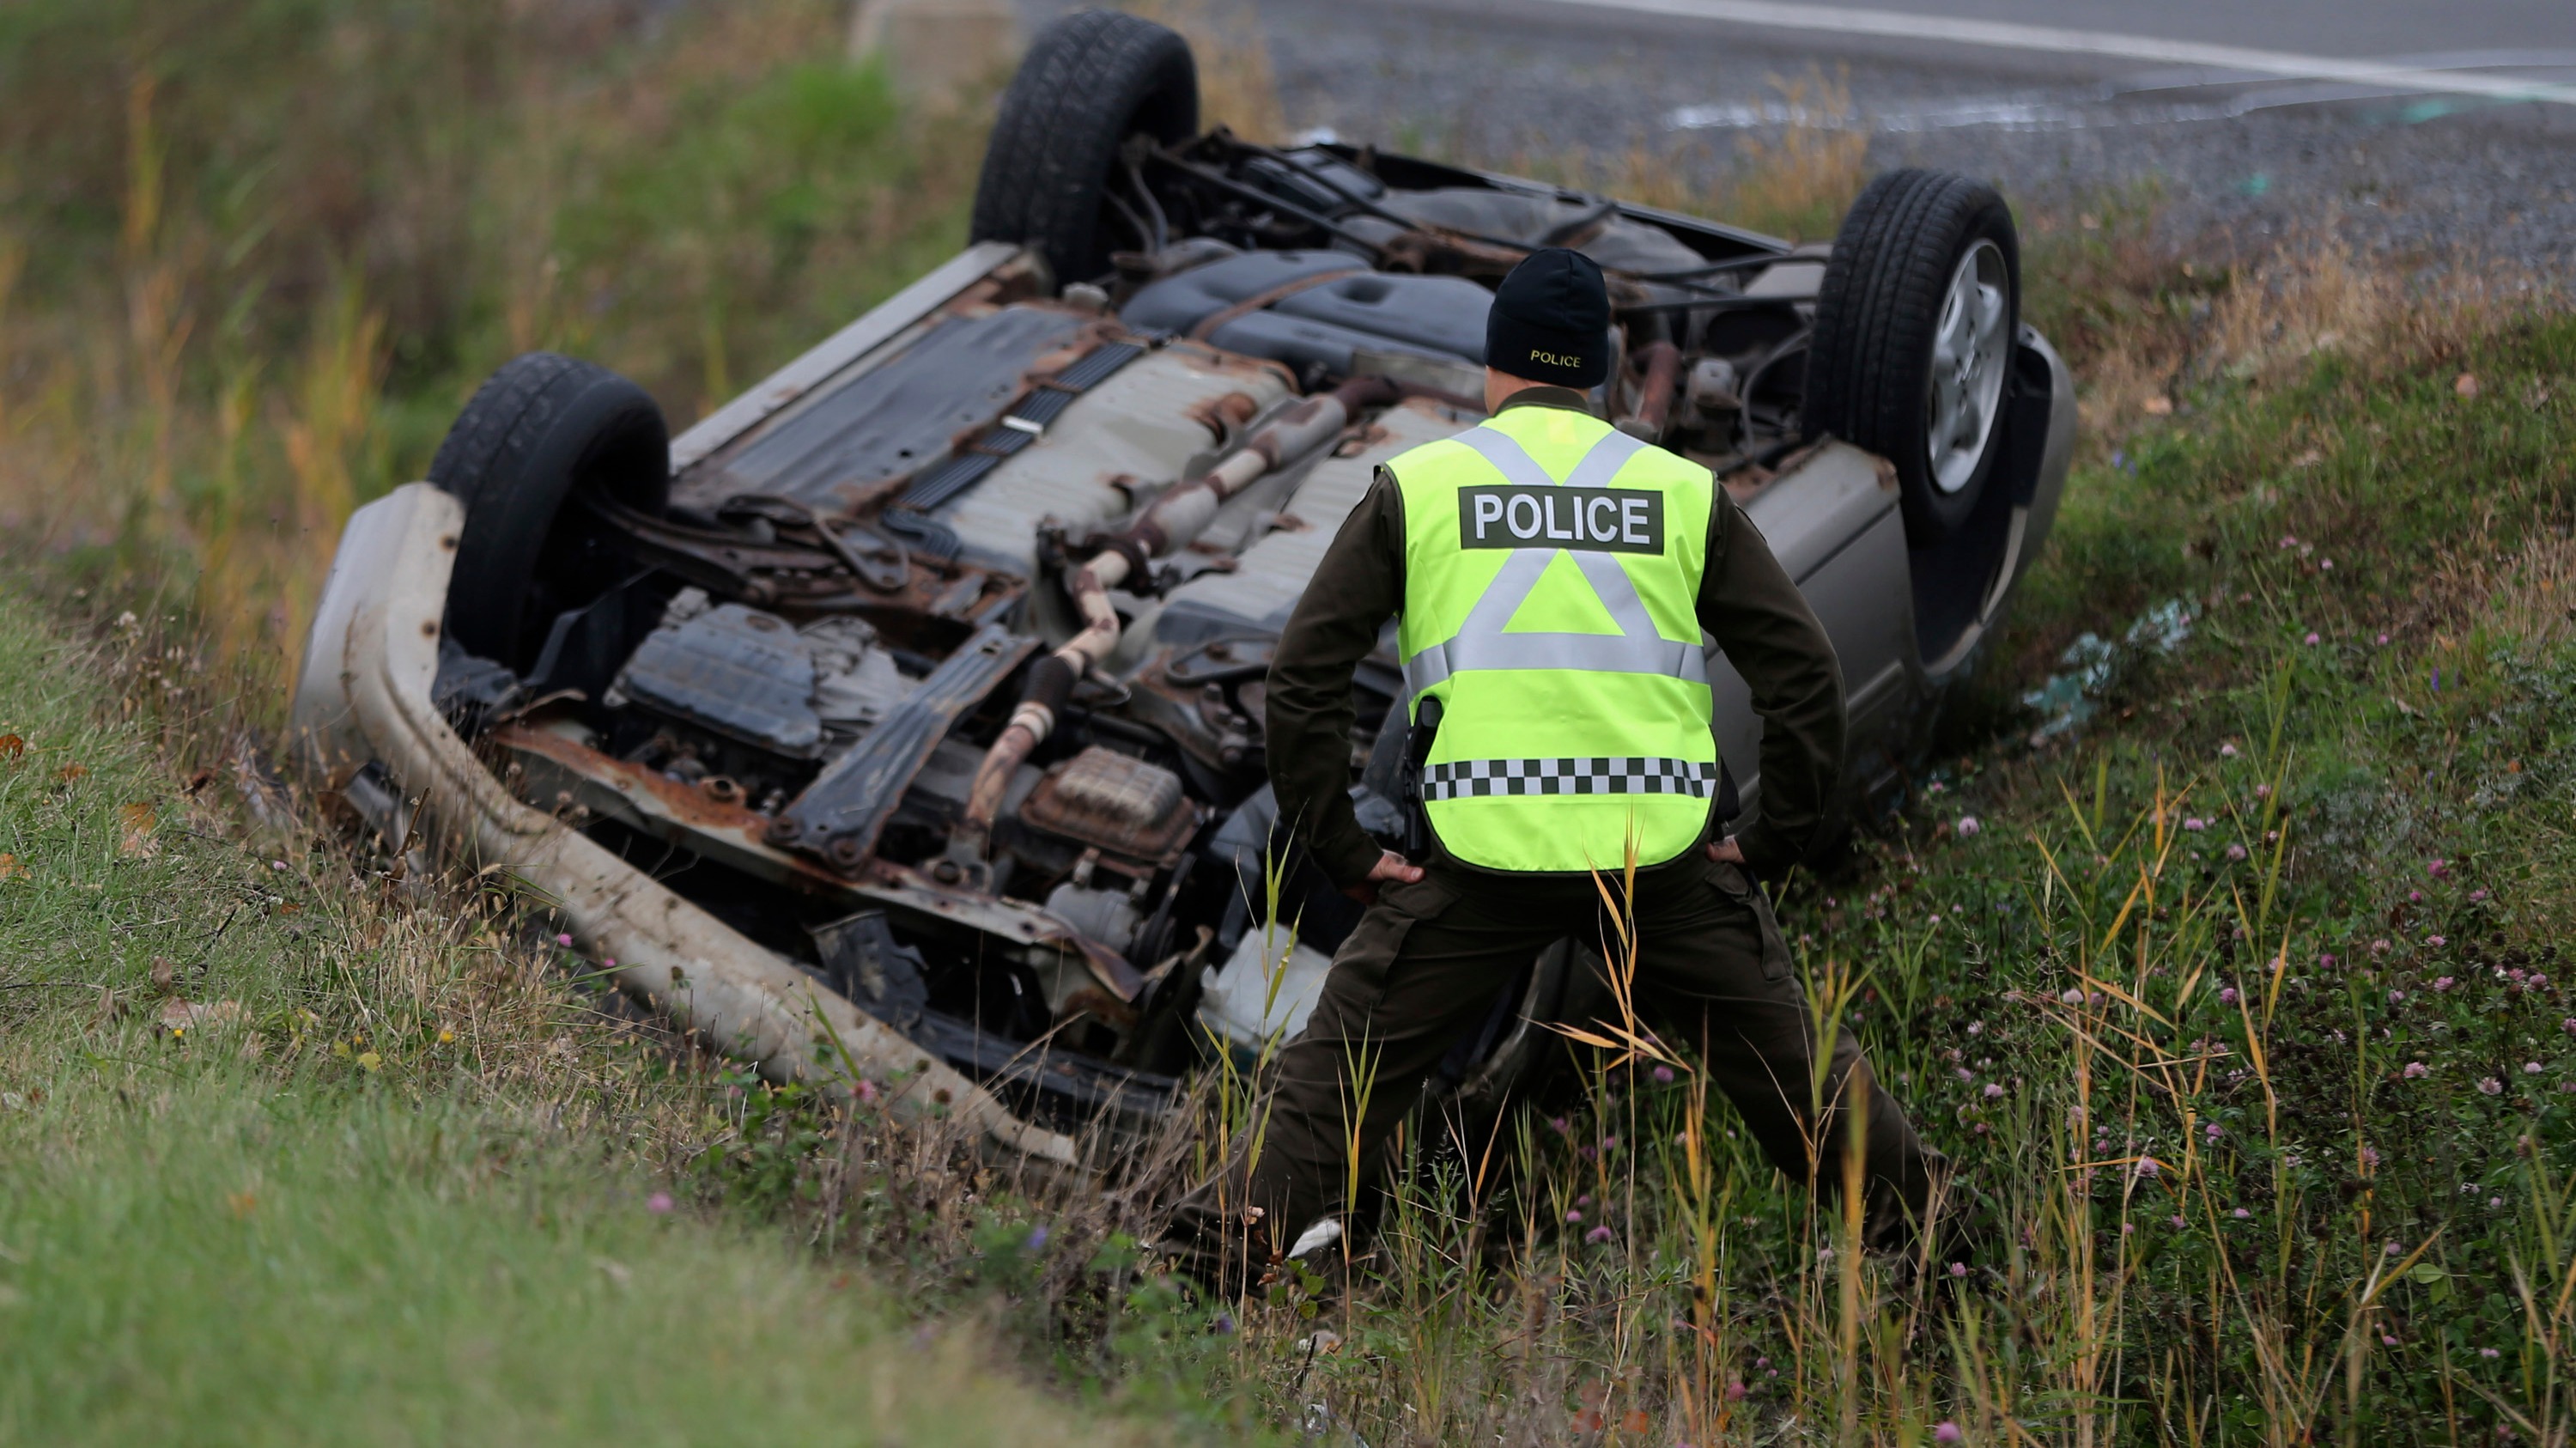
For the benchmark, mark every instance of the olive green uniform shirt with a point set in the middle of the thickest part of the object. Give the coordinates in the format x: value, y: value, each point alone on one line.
x: 1746, y: 602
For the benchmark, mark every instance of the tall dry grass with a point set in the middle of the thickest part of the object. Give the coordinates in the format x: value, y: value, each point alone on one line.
x: 1631, y: 1271
x: 260, y: 252
x: 1793, y: 181
x: 2534, y: 594
x: 2147, y: 324
x: 1237, y: 87
x: 1799, y: 182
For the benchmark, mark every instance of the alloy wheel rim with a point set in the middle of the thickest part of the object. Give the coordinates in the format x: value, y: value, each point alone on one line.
x: 1967, y: 380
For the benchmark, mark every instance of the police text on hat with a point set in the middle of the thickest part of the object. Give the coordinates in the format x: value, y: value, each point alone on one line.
x: 1551, y: 320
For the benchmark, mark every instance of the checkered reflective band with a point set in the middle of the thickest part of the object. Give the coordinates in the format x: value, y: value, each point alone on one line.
x: 1478, y: 778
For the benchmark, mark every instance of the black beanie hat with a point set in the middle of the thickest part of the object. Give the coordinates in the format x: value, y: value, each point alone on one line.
x: 1551, y: 320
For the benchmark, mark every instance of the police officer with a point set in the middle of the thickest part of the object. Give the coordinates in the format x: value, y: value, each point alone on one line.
x: 1552, y: 577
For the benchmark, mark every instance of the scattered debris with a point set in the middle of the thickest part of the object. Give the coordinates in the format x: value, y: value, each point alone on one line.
x: 179, y: 1017
x: 2091, y: 663
x: 1317, y: 1237
x: 137, y: 820
x: 262, y: 792
x: 1320, y: 1421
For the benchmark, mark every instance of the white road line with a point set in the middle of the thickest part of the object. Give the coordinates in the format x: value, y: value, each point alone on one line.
x: 2004, y: 35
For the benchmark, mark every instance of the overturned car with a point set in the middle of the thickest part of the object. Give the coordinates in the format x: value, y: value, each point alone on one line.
x: 901, y: 721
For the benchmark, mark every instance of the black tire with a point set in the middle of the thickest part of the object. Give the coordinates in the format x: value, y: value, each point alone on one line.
x: 534, y: 433
x: 1870, y: 374
x: 1090, y: 81
x: 1561, y: 989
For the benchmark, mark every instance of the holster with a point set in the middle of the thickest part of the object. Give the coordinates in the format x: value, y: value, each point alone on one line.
x: 1418, y: 736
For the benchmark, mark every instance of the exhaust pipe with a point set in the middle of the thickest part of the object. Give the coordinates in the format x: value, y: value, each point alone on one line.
x: 1169, y: 524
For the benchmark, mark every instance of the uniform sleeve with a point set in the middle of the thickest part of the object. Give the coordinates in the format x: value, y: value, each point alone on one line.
x: 1357, y: 587
x: 1748, y: 604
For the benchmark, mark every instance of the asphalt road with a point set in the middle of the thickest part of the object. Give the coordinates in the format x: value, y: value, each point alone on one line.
x: 2410, y: 126
x: 2337, y: 28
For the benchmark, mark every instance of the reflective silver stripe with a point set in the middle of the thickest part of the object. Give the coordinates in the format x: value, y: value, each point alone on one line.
x: 1604, y: 461
x: 1596, y: 653
x: 1509, y: 457
x: 1588, y: 653
x: 1429, y: 667
x: 1598, y: 465
x: 1481, y: 642
x: 1617, y: 593
x: 1511, y: 587
x: 1485, y: 778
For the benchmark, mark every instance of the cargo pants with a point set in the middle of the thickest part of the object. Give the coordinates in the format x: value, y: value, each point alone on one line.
x: 1423, y: 967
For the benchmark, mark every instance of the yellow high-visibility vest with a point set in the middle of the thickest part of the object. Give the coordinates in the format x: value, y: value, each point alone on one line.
x: 1551, y: 583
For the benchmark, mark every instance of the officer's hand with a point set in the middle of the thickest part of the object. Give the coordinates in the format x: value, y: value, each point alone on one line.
x: 1726, y: 851
x: 1391, y: 868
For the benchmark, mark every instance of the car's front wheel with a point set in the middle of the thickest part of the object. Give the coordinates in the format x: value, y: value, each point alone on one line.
x: 536, y: 433
x: 1912, y: 349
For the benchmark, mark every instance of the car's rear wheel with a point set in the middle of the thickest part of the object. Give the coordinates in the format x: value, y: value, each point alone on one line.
x: 1090, y: 82
x: 1912, y: 347
x: 537, y: 432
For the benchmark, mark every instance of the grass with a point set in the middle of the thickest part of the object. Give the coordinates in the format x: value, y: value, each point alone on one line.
x: 229, y: 1262
x: 393, y: 1182
x: 2277, y: 875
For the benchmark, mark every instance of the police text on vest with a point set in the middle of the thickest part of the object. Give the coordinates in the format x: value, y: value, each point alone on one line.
x: 1593, y: 520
